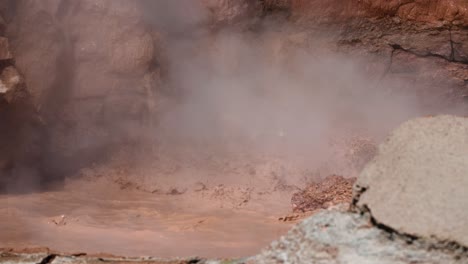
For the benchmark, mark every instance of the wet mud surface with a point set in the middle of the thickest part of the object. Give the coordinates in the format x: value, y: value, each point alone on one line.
x: 95, y: 219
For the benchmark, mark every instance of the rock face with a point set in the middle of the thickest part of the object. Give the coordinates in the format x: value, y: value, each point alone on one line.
x: 446, y: 11
x: 417, y: 183
x: 411, y: 42
x: 18, y: 147
x: 91, y: 70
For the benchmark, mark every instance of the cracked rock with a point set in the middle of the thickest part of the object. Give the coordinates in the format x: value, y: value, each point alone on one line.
x: 459, y: 41
x: 417, y: 183
x: 423, y: 43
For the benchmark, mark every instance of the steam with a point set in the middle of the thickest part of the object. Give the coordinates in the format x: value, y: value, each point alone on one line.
x: 268, y: 93
x: 256, y: 92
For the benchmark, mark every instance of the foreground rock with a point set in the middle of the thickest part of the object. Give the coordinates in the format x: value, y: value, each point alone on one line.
x: 417, y: 183
x: 340, y: 237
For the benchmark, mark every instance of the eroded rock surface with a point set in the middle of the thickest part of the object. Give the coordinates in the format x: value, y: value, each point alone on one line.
x: 417, y: 183
x: 412, y: 43
x: 330, y: 191
x: 337, y: 237
x: 92, y: 71
x: 443, y: 11
x: 19, y: 148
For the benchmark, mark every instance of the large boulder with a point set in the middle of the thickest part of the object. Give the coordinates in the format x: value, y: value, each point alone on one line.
x: 418, y: 182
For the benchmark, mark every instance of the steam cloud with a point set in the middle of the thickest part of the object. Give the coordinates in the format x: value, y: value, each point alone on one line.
x: 259, y: 92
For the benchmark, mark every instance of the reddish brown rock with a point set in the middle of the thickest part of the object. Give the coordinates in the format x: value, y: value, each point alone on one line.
x: 433, y: 12
x: 79, y: 59
x: 330, y: 191
x: 228, y: 12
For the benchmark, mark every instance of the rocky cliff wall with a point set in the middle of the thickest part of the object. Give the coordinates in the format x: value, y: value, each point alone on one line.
x: 18, y: 116
x: 91, y: 70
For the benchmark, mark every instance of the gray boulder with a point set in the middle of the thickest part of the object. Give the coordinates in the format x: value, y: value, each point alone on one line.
x: 332, y: 237
x: 418, y: 182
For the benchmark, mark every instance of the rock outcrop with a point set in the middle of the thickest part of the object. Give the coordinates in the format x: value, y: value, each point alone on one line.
x: 421, y: 45
x: 339, y: 237
x: 92, y: 71
x: 417, y: 183
x: 453, y: 12
x: 19, y: 147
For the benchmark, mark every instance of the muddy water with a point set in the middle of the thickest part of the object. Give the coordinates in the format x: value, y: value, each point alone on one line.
x: 128, y: 222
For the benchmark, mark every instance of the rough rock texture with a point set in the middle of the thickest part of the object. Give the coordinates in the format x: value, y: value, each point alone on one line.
x: 92, y: 71
x: 425, y: 58
x: 420, y: 45
x: 453, y: 12
x: 417, y: 183
x: 18, y: 147
x: 337, y: 237
x: 330, y: 191
x: 228, y: 12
